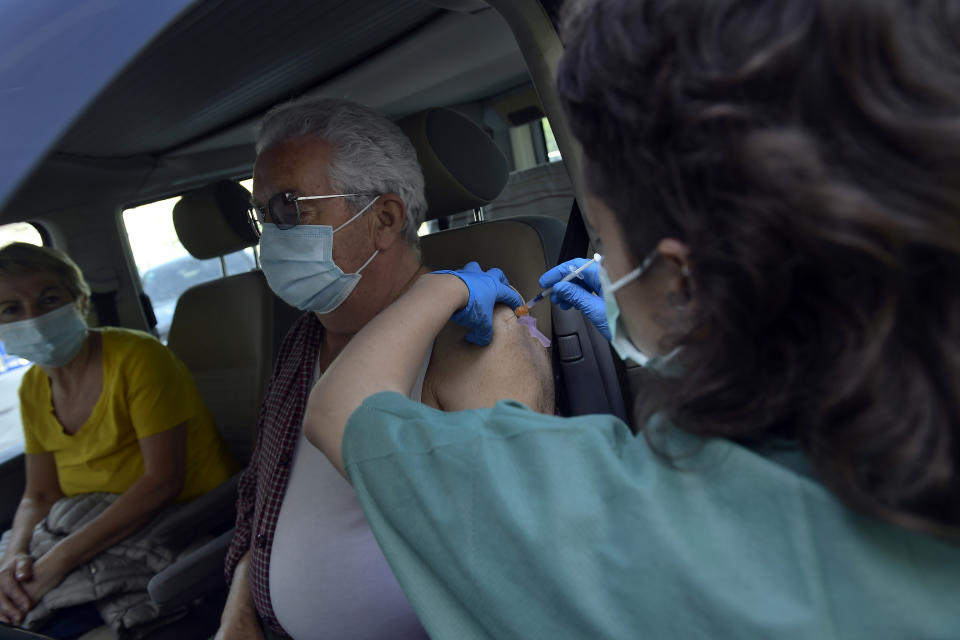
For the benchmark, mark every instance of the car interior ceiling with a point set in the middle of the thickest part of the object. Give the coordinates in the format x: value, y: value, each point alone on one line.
x: 178, y: 117
x: 183, y: 112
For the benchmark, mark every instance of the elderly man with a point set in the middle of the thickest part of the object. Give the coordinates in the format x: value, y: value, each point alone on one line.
x: 340, y: 192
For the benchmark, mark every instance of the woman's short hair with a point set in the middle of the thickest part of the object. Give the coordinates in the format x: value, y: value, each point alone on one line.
x: 22, y: 258
x: 808, y: 154
x: 370, y: 153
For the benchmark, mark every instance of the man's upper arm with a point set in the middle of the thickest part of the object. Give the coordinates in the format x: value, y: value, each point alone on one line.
x: 513, y: 366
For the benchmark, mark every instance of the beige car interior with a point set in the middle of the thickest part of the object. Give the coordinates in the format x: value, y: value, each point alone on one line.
x: 226, y: 330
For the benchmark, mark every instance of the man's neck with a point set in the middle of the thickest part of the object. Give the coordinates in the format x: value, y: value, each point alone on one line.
x: 394, y: 280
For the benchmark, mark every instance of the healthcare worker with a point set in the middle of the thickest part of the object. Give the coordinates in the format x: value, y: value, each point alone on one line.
x: 775, y: 187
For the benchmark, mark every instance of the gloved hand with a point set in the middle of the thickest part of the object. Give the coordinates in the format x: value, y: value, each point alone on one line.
x: 579, y: 292
x: 487, y: 288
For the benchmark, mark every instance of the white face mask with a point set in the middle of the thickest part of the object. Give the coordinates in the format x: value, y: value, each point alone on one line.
x: 619, y: 339
x: 50, y: 340
x: 299, y: 267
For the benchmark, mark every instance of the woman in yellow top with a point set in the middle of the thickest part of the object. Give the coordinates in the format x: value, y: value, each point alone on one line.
x: 108, y: 410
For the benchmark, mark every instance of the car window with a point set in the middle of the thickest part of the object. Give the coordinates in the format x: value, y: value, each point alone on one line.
x: 12, y: 368
x: 538, y: 184
x: 166, y: 268
x: 550, y: 142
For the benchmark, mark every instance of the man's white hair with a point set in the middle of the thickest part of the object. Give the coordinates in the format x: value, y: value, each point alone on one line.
x: 371, y: 155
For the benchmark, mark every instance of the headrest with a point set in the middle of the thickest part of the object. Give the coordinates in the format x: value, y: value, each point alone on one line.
x: 214, y: 220
x: 462, y: 167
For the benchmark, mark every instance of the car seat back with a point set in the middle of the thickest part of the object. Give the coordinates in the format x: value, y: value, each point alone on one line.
x: 463, y: 169
x: 225, y: 330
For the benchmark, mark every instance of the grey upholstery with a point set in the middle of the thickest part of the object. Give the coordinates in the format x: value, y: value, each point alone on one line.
x: 193, y: 576
x: 209, y: 512
x: 544, y: 190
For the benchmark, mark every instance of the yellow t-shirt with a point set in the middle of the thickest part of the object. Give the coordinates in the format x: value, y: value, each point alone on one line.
x: 146, y: 390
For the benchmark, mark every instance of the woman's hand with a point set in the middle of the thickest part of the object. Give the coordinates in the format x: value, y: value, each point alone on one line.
x: 15, y: 601
x: 583, y: 292
x: 487, y: 288
x: 47, y: 573
x: 17, y: 566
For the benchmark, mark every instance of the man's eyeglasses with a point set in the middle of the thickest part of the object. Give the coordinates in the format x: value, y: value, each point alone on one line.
x: 284, y: 208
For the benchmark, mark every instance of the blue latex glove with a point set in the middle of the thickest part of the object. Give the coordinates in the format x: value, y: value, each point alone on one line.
x: 579, y: 292
x: 487, y: 288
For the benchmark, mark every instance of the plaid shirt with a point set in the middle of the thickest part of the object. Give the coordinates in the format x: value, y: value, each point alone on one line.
x: 264, y: 482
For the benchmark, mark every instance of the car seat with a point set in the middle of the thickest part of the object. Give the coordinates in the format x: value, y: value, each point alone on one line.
x: 225, y: 330
x: 463, y: 168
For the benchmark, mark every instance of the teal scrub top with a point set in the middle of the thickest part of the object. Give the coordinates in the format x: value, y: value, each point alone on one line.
x: 506, y: 523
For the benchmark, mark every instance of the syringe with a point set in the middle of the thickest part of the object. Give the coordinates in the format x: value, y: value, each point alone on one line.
x: 570, y: 276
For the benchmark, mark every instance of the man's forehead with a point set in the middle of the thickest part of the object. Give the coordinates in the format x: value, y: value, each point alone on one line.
x: 292, y: 156
x: 291, y: 165
x: 296, y: 150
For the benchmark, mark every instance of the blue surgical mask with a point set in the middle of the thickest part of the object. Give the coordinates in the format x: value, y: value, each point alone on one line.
x: 50, y: 340
x: 619, y: 339
x: 299, y: 267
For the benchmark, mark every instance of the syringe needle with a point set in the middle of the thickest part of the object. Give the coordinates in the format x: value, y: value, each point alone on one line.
x: 546, y: 292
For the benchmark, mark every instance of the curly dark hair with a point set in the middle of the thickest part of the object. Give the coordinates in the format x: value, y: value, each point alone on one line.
x: 808, y: 154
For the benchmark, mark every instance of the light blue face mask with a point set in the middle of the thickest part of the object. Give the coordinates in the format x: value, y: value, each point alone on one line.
x: 299, y: 267
x: 619, y: 339
x: 50, y: 340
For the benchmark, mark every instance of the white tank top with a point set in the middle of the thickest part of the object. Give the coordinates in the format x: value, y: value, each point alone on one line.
x: 328, y: 577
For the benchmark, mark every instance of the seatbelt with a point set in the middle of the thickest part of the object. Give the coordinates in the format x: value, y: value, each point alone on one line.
x: 147, y: 304
x: 105, y: 305
x: 589, y: 377
x: 576, y: 240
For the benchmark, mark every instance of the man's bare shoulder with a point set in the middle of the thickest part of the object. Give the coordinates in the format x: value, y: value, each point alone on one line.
x: 513, y: 366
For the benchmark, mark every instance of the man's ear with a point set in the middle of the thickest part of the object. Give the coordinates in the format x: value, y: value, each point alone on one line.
x: 388, y: 223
